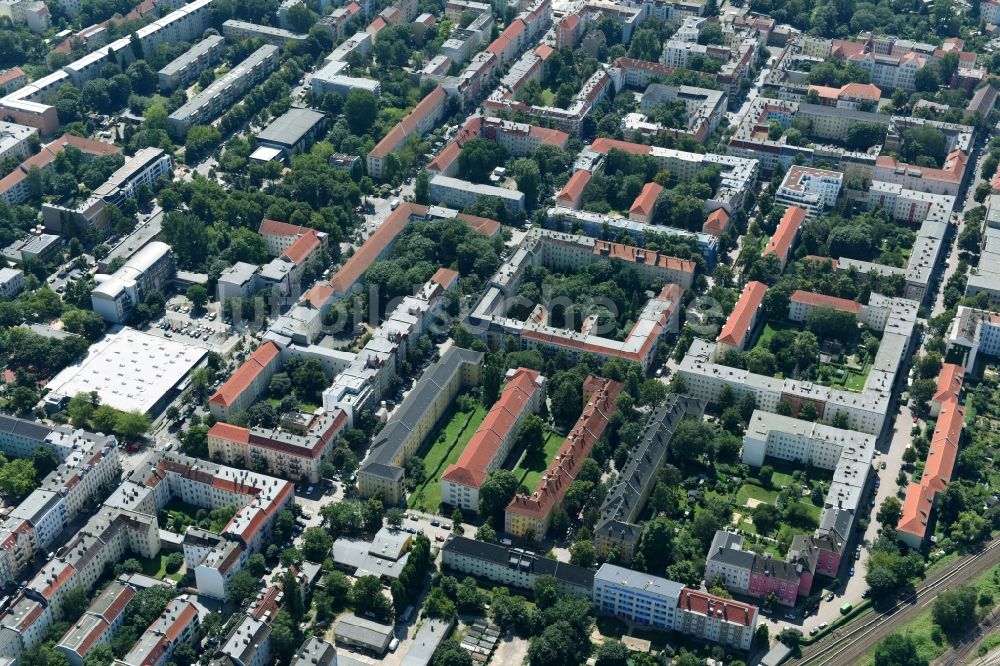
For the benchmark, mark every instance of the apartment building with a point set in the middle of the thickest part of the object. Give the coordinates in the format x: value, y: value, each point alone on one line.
x: 225, y: 91
x: 523, y: 394
x: 974, y: 332
x: 513, y: 567
x: 916, y: 522
x: 786, y: 438
x: 529, y: 516
x: 98, y: 625
x: 240, y: 30
x: 14, y: 140
x: 457, y: 193
x: 367, y: 376
x: 11, y: 282
x: 382, y: 470
x: 809, y: 188
x: 739, y: 326
x: 249, y: 643
x: 143, y: 169
x: 419, y: 121
x: 150, y: 268
x: 848, y: 96
x: 738, y: 174
x: 568, y: 252
x: 185, y: 68
x: 783, y: 240
x: 295, y: 450
x: 890, y: 72
x: 663, y: 604
x: 14, y: 186
x: 644, y: 206
x: 247, y: 384
x: 616, y: 535
x: 178, y: 624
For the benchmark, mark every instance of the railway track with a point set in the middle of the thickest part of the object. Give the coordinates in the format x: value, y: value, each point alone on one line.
x: 849, y: 643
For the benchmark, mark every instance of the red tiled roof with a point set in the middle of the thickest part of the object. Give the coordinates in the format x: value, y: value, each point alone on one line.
x: 815, y: 300
x: 445, y: 158
x: 229, y: 432
x: 481, y: 225
x: 949, y: 382
x: 740, y: 319
x: 941, y: 456
x: 916, y: 510
x: 544, y: 51
x: 570, y: 22
x: 574, y: 187
x: 276, y: 228
x: 445, y: 277
x: 638, y: 255
x: 944, y: 447
x: 351, y: 272
x: 300, y: 251
x: 952, y: 172
x: 86, y: 145
x: 245, y: 375
x: 564, y: 467
x: 406, y: 126
x: 646, y: 201
x: 717, y: 222
x: 604, y: 145
x: 10, y: 75
x: 788, y: 229
x: 473, y: 465
x: 717, y: 608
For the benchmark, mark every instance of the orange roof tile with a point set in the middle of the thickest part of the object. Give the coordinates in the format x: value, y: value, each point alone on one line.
x: 638, y: 255
x: 473, y: 466
x: 717, y: 222
x: 302, y: 249
x: 917, y: 508
x: 10, y: 75
x: 741, y: 318
x: 276, y: 228
x: 246, y: 374
x: 406, y: 126
x: 949, y: 382
x: 445, y: 277
x: 229, y: 432
x: 815, y: 300
x: 646, y: 201
x: 604, y: 145
x: 564, y: 467
x: 574, y: 187
x: 481, y: 225
x: 788, y: 229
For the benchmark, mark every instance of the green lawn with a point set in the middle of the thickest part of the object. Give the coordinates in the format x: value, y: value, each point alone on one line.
x: 752, y: 491
x: 156, y: 567
x: 440, y: 450
x: 921, y: 627
x: 772, y: 327
x: 529, y: 468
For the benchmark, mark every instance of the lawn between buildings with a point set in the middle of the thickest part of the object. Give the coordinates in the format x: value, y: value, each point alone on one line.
x: 441, y: 450
x: 851, y: 377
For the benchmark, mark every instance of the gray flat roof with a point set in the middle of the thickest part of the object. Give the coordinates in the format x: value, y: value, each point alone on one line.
x: 289, y: 128
x: 193, y: 53
x: 409, y: 414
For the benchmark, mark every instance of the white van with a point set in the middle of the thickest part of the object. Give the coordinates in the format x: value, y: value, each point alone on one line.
x: 395, y: 204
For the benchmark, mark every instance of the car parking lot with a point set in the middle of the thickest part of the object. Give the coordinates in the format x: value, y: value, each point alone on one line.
x: 200, y: 328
